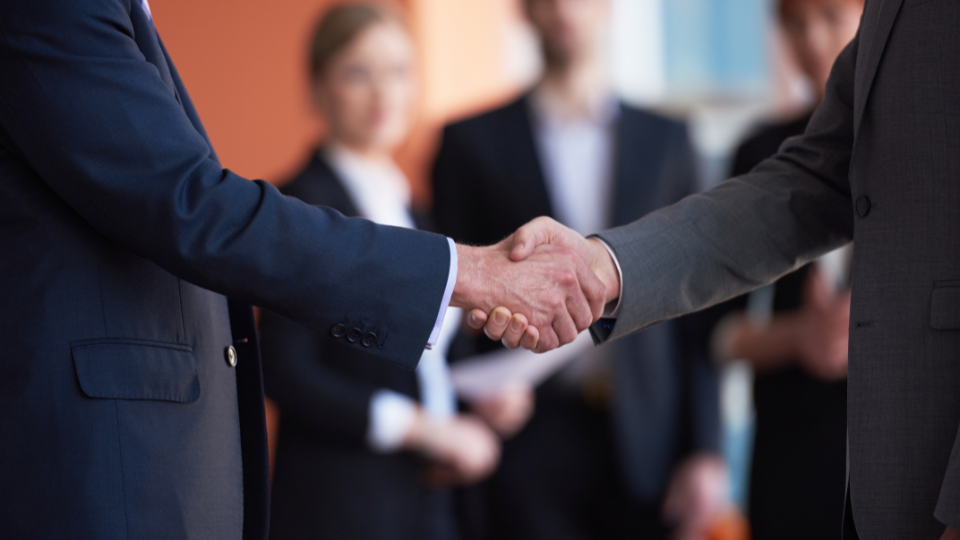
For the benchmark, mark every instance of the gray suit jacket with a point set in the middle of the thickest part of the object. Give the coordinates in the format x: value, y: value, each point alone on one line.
x: 878, y: 161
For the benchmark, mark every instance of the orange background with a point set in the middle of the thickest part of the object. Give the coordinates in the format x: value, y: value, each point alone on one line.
x: 244, y: 64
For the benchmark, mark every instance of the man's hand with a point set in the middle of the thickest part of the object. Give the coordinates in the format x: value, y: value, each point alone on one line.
x: 528, y: 241
x: 552, y: 287
x: 508, y: 411
x: 950, y: 534
x: 464, y: 450
x: 545, y: 231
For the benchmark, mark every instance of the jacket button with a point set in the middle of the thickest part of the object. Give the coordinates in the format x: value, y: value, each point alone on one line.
x: 232, y: 356
x: 354, y: 335
x: 369, y: 339
x: 338, y: 330
x: 863, y: 206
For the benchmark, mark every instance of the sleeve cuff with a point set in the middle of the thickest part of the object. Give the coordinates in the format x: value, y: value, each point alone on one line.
x: 612, y: 310
x: 391, y: 415
x: 447, y: 293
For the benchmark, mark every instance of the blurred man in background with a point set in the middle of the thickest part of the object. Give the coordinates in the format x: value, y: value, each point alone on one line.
x: 359, y: 440
x: 800, y: 355
x: 626, y: 427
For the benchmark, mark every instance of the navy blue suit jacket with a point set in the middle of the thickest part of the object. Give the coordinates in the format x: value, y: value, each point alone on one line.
x: 121, y: 238
x: 665, y: 397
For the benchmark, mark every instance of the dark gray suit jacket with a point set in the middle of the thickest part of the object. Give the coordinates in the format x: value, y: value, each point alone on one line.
x: 878, y: 161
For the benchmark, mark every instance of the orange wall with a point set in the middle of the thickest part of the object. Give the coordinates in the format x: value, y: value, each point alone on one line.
x: 243, y: 62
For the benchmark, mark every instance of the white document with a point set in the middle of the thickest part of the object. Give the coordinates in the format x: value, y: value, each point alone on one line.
x: 486, y: 375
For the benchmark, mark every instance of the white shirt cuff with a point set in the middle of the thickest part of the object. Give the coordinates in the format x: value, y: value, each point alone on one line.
x: 391, y: 416
x: 612, y: 312
x: 447, y: 293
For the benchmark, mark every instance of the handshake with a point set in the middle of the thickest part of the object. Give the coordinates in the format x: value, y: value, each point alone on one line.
x: 538, y: 288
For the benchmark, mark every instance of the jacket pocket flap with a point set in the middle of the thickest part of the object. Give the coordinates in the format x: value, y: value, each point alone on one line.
x: 945, y: 305
x: 136, y: 369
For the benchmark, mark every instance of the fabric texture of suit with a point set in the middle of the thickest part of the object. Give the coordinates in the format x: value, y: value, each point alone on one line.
x: 122, y: 237
x: 327, y: 482
x: 488, y: 181
x: 877, y: 162
x: 798, y: 464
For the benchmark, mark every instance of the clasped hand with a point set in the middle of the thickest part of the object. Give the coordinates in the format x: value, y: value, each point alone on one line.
x: 538, y: 288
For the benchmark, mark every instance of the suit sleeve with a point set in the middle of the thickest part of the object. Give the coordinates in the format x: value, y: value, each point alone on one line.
x: 748, y: 231
x: 331, y: 402
x: 95, y: 121
x: 701, y: 379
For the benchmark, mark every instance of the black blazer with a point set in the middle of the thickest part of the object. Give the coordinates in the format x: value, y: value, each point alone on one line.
x: 327, y: 483
x: 488, y: 181
x: 121, y: 238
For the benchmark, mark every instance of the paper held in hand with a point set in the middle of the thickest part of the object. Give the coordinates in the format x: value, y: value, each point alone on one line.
x: 486, y: 375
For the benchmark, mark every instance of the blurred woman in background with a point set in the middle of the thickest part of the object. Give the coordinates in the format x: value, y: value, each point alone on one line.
x: 363, y: 446
x: 799, y: 355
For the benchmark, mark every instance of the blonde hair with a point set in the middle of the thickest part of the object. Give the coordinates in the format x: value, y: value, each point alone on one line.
x: 342, y: 24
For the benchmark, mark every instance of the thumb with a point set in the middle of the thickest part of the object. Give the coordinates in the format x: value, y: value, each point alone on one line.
x: 528, y: 237
x: 476, y: 319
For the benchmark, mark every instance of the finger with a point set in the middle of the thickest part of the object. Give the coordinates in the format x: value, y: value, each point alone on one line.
x: 593, y: 291
x: 578, y: 307
x: 497, y: 323
x: 531, y: 235
x: 518, y: 326
x: 548, y: 340
x: 530, y: 338
x: 565, y: 329
x: 476, y: 319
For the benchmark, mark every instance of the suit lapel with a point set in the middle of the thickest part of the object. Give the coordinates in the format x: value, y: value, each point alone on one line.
x: 636, y: 161
x: 529, y: 182
x: 327, y: 188
x: 874, y: 33
x: 184, y: 98
x: 149, y: 43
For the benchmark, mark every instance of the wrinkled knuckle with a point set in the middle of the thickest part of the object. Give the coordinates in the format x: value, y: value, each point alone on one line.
x: 567, y: 278
x: 584, y: 320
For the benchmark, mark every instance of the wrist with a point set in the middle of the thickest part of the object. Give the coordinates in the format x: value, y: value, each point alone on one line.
x: 469, y: 271
x: 605, y: 268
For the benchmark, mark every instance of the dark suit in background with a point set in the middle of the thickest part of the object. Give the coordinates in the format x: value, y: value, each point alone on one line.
x: 799, y: 456
x: 121, y: 237
x: 327, y: 482
x: 578, y: 467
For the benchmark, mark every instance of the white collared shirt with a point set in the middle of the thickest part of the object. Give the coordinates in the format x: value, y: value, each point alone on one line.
x: 381, y: 193
x: 577, y: 154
